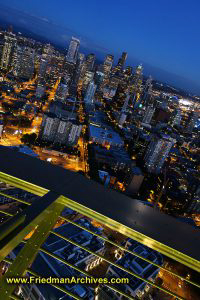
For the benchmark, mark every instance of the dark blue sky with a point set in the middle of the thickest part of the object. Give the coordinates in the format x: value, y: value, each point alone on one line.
x: 163, y: 33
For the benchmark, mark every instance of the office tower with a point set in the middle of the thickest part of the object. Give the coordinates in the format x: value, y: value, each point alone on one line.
x: 90, y: 93
x: 193, y: 118
x: 1, y: 45
x: 176, y: 117
x: 148, y: 114
x: 136, y: 85
x: 124, y: 108
x: 72, y: 52
x: 89, y: 76
x: 137, y: 79
x: 90, y: 60
x: 122, y: 60
x: 98, y: 79
x: 47, y: 52
x: 25, y: 62
x: 157, y: 153
x: 79, y: 67
x: 43, y: 64
x: 8, y: 45
x: 147, y: 91
x: 107, y: 65
x: 120, y: 98
x: 63, y: 88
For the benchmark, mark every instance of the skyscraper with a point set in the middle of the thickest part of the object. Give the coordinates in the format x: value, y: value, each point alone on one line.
x: 192, y: 121
x: 74, y: 134
x: 90, y: 93
x: 136, y: 87
x: 148, y: 114
x: 8, y: 44
x: 107, y: 65
x: 79, y: 67
x: 124, y: 108
x: 87, y: 79
x: 42, y: 69
x: 49, y: 127
x: 157, y: 152
x: 122, y: 60
x: 48, y: 51
x: 90, y: 60
x: 176, y: 117
x: 62, y: 90
x: 72, y: 52
x: 25, y: 61
x: 99, y: 77
x: 147, y: 91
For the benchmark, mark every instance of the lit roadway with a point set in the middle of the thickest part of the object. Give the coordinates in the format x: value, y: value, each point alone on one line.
x: 12, y: 134
x: 73, y: 164
x: 176, y: 285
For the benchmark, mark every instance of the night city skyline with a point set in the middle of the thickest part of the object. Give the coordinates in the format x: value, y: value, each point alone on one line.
x: 161, y: 37
x: 99, y: 150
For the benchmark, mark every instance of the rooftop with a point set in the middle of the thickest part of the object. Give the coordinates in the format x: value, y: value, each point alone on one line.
x: 106, y: 134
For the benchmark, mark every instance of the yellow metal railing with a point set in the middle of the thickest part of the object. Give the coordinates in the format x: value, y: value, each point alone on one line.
x: 44, y: 222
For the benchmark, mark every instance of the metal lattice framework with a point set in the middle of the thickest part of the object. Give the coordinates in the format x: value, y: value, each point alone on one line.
x: 59, y: 188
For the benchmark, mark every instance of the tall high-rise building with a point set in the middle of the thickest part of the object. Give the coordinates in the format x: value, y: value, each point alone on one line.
x: 193, y: 118
x: 147, y: 91
x: 42, y: 69
x: 8, y: 45
x: 59, y: 130
x: 63, y: 131
x: 90, y: 93
x: 157, y: 153
x: 107, y: 65
x: 63, y: 88
x: 89, y: 76
x: 73, y: 49
x: 99, y: 78
x: 136, y: 87
x: 74, y: 134
x: 79, y: 67
x: 148, y: 114
x: 49, y: 127
x: 25, y: 62
x: 47, y: 52
x: 90, y: 60
x: 122, y: 60
x: 176, y: 117
x: 124, y: 107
